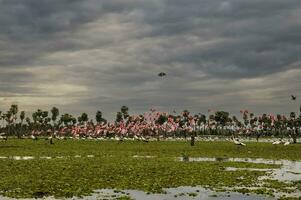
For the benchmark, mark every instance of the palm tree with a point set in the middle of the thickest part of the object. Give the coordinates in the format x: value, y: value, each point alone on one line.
x: 221, y: 117
x: 13, y: 110
x: 83, y: 118
x: 55, y: 113
x: 67, y: 119
x: 119, y: 117
x: 99, y: 118
x: 293, y: 124
x: 22, y: 117
x: 125, y: 112
x: 29, y: 124
x: 0, y: 118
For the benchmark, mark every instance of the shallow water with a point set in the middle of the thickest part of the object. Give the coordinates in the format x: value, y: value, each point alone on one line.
x: 43, y: 157
x: 139, y: 156
x: 289, y: 170
x: 180, y: 193
x: 183, y: 193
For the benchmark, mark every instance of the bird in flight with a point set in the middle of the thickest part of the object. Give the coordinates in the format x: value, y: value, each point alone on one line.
x: 161, y: 74
x: 293, y: 97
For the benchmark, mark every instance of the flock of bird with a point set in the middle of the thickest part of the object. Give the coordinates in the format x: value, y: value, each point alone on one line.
x: 138, y: 137
x: 232, y: 139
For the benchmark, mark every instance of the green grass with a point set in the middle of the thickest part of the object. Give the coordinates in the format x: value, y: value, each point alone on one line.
x: 114, y: 166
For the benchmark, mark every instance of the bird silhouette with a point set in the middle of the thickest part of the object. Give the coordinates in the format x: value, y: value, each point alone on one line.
x: 161, y: 74
x: 293, y: 97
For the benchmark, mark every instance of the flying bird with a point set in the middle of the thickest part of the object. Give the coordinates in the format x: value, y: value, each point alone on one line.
x: 293, y: 97
x: 161, y: 74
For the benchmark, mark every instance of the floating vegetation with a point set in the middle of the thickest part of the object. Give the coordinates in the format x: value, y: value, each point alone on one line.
x: 78, y: 168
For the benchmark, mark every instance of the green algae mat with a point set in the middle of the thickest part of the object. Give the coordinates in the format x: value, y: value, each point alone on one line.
x: 78, y: 167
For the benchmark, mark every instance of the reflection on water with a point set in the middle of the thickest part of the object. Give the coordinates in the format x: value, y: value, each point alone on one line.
x: 289, y: 170
x: 181, y: 193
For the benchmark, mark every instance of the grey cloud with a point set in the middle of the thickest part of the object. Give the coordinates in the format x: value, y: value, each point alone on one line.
x: 109, y: 52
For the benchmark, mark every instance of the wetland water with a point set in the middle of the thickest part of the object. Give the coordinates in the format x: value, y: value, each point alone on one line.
x: 288, y: 171
x: 180, y: 193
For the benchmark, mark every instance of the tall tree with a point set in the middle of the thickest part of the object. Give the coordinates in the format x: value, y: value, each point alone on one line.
x: 1, y: 118
x: 55, y: 113
x: 14, y: 110
x: 118, y: 117
x: 99, y: 117
x: 83, y: 118
x: 125, y: 112
x: 67, y: 119
x: 22, y: 117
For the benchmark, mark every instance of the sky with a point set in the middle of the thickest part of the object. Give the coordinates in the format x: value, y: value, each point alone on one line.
x: 88, y: 55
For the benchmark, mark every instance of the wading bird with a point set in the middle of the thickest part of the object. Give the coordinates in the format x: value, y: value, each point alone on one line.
x: 286, y: 143
x: 144, y: 139
x: 34, y: 137
x: 3, y: 138
x: 235, y: 141
x: 278, y: 142
x: 50, y: 139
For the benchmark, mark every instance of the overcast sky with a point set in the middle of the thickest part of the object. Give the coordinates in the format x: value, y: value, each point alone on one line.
x: 88, y: 55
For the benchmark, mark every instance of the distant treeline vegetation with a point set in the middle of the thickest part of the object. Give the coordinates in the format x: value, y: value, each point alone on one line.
x: 151, y: 123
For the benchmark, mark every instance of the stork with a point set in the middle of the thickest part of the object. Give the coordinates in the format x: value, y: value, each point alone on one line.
x: 3, y: 138
x: 286, y: 143
x: 33, y: 137
x: 144, y: 139
x: 236, y: 142
x: 277, y: 142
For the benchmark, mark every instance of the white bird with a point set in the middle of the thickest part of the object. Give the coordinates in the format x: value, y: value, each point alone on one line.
x: 235, y: 141
x: 286, y: 143
x: 118, y: 139
x: 3, y: 138
x: 50, y: 140
x: 61, y: 138
x: 33, y: 137
x: 144, y: 139
x: 277, y: 142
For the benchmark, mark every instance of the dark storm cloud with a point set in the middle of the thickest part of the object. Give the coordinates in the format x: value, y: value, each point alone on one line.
x: 92, y: 52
